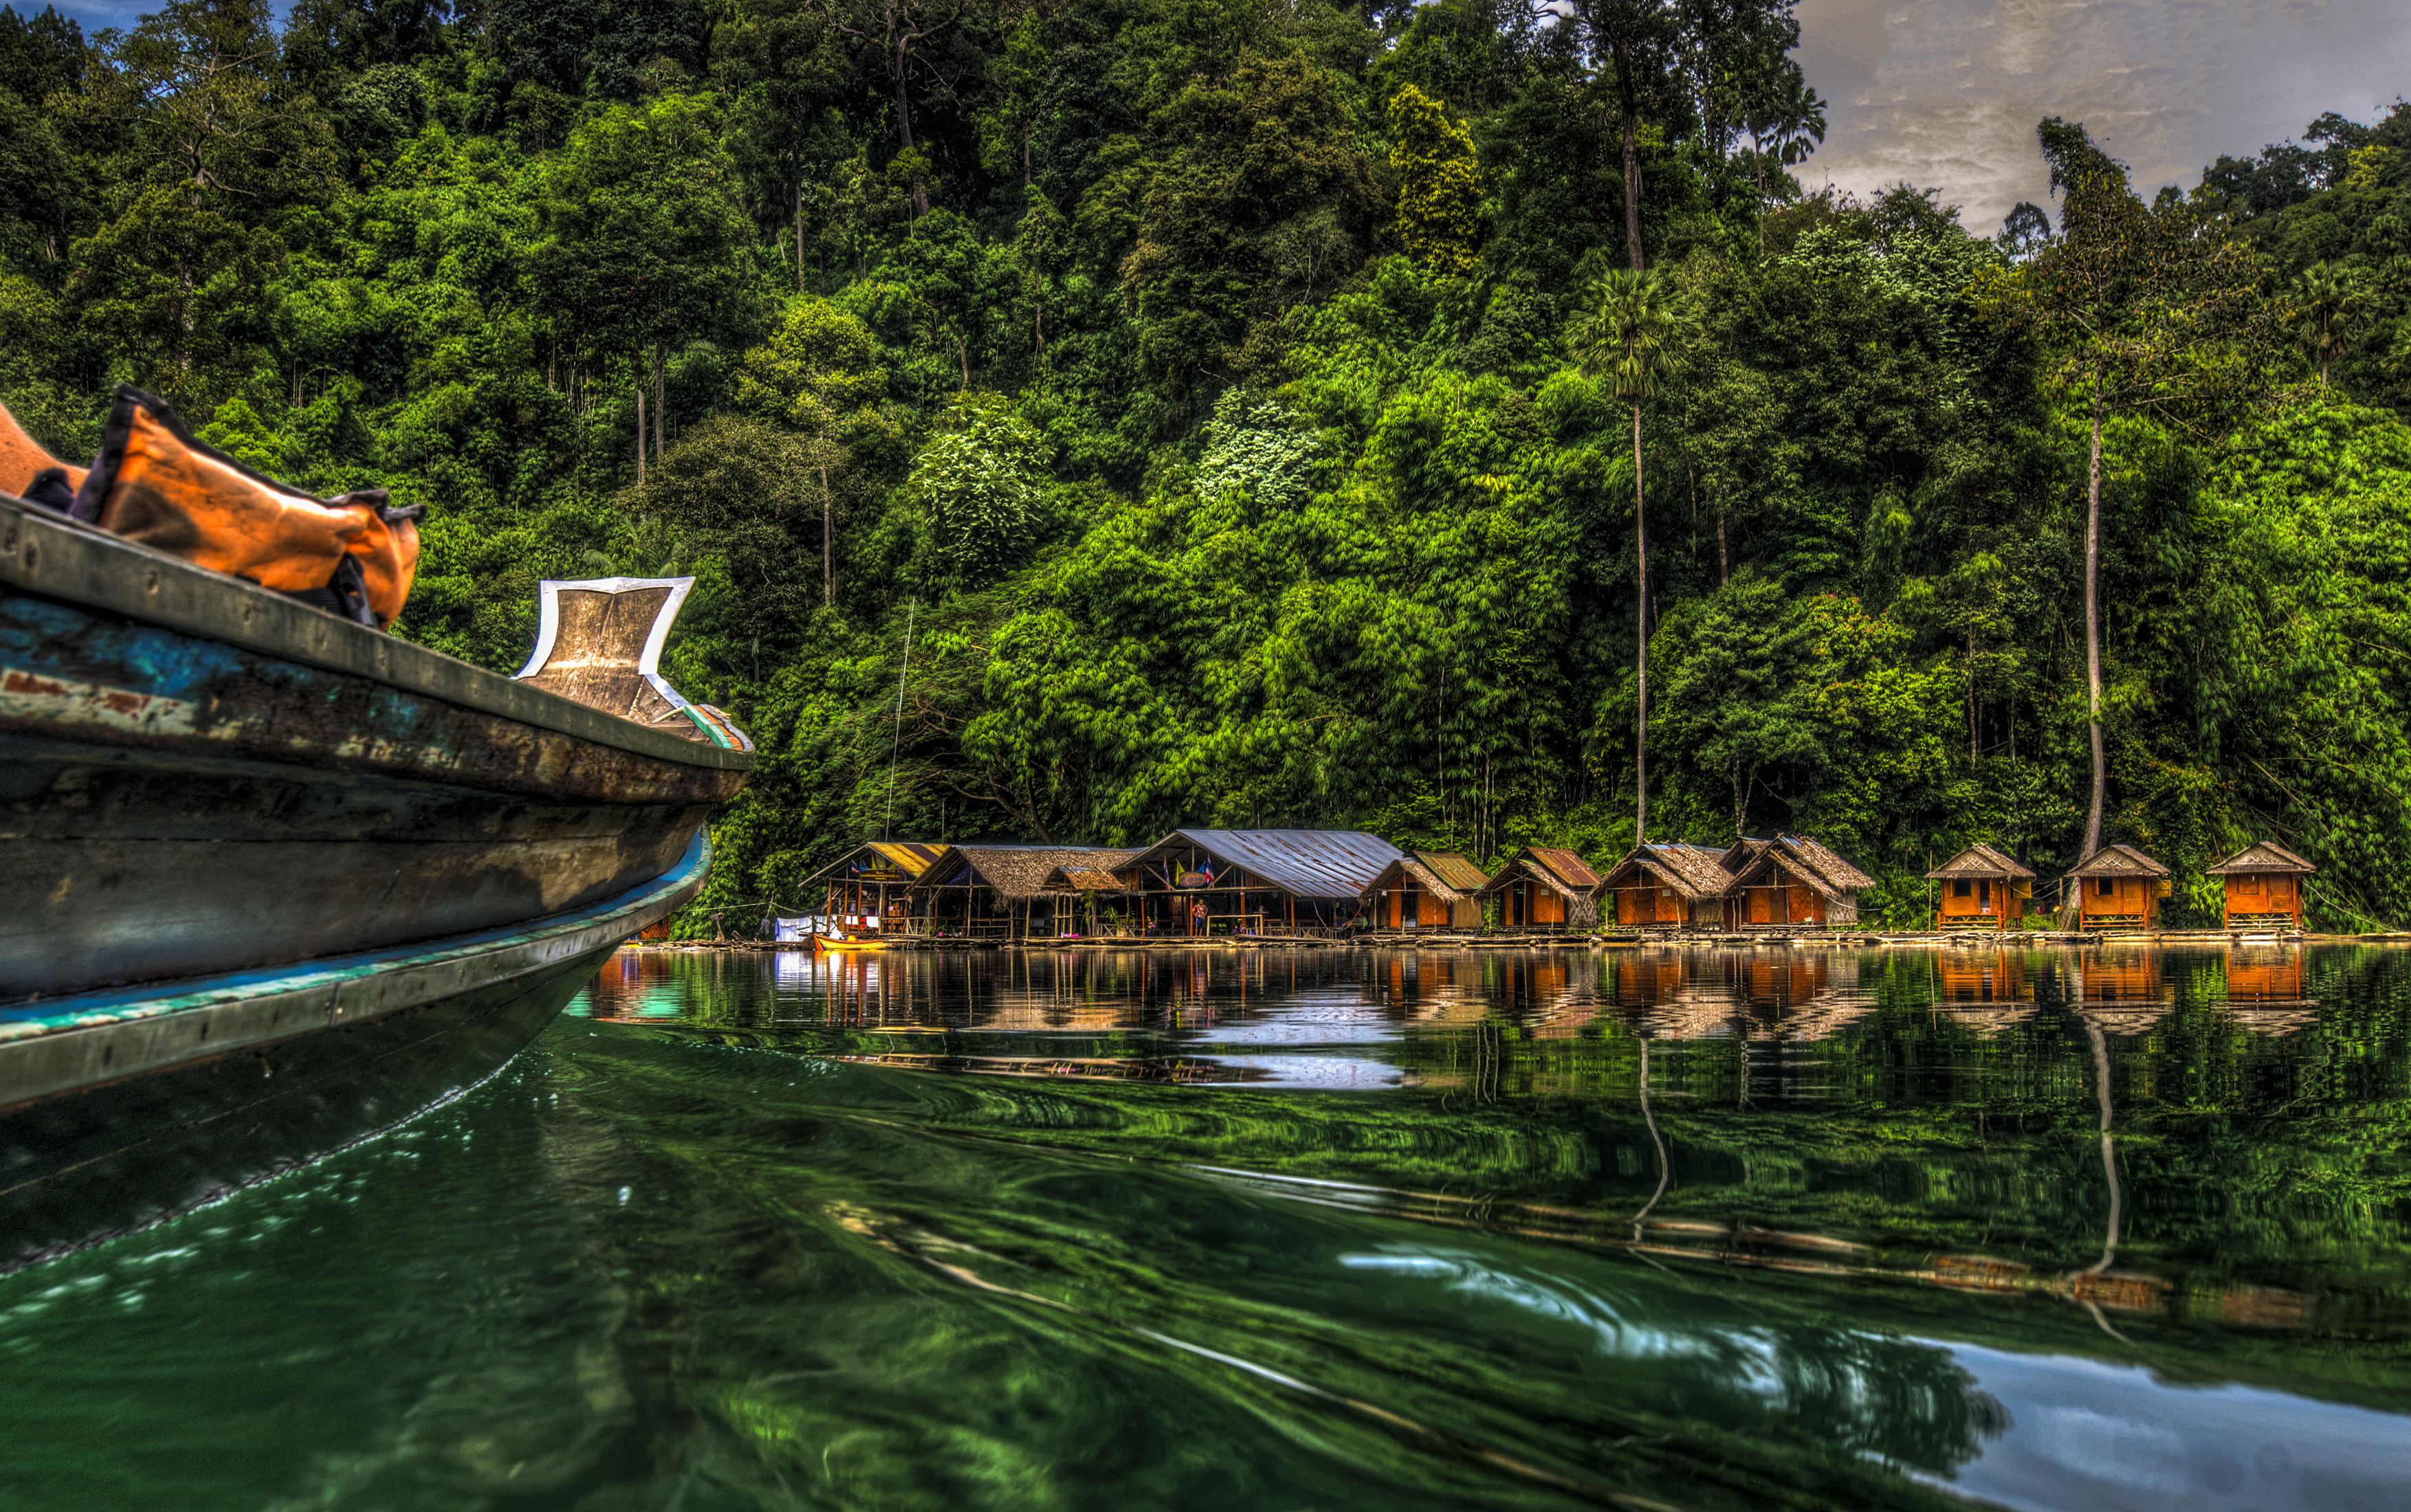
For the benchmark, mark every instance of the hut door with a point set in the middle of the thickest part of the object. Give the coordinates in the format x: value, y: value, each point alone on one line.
x: 1409, y: 914
x: 1983, y: 897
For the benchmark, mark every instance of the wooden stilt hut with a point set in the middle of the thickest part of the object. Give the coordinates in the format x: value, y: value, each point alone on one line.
x: 1426, y: 890
x: 1196, y: 882
x: 2120, y: 888
x: 1544, y: 890
x: 1670, y: 886
x: 1981, y: 888
x: 1003, y: 893
x: 1101, y: 901
x: 1790, y: 883
x: 2263, y: 887
x: 867, y: 890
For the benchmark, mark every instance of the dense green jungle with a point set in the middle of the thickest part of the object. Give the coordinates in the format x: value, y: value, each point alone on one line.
x: 1086, y: 419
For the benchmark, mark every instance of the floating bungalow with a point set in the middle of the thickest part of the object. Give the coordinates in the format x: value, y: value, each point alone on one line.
x: 1670, y: 886
x: 1788, y: 882
x: 2263, y: 887
x: 2120, y: 888
x: 1543, y: 889
x: 868, y: 888
x: 1426, y: 889
x: 1981, y: 888
x: 1256, y: 882
x: 1010, y: 892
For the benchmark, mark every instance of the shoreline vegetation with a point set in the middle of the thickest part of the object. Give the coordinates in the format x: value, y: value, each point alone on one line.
x: 1085, y: 421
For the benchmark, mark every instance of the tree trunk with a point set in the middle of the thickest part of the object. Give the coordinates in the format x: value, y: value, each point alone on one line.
x: 661, y: 403
x: 2093, y: 631
x: 829, y: 541
x: 800, y: 236
x: 1760, y: 156
x: 640, y: 433
x: 1740, y: 801
x: 1623, y: 54
x: 904, y: 131
x: 1640, y: 725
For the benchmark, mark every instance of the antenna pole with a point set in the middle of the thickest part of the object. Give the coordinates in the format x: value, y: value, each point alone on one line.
x: 895, y: 738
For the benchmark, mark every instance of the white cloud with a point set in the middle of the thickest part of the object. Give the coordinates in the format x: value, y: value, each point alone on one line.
x: 1945, y: 92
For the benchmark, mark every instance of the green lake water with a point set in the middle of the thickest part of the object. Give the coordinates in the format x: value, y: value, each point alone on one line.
x: 1306, y: 1230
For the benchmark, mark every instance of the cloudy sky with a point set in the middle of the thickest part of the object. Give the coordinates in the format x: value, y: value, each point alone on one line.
x: 1945, y: 92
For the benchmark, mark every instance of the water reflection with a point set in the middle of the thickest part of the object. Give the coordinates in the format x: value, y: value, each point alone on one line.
x: 1711, y: 1230
x: 2041, y: 1219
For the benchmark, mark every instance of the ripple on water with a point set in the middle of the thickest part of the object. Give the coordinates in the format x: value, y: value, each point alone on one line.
x: 1071, y: 1228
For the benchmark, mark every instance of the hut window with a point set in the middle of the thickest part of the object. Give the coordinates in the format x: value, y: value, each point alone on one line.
x: 1963, y: 888
x: 2104, y: 887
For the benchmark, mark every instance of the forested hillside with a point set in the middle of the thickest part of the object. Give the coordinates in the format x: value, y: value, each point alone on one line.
x: 1235, y: 405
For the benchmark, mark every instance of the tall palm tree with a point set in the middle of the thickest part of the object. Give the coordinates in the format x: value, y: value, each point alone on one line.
x: 2332, y: 307
x: 1791, y: 115
x: 1629, y: 335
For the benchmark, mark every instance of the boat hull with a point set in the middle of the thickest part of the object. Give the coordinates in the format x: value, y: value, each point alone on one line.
x: 176, y: 805
x: 119, y: 1110
x: 270, y: 880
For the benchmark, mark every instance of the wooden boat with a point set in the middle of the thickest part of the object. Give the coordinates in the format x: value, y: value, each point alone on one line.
x: 270, y: 880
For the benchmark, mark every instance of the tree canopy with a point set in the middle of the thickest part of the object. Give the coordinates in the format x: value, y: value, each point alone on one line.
x: 1222, y: 396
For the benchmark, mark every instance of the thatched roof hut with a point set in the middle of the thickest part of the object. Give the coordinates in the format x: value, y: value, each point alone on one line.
x: 1668, y: 886
x: 1981, y: 861
x: 1009, y: 891
x: 1083, y: 878
x: 2263, y: 887
x: 2119, y: 887
x: 1790, y: 881
x: 1426, y: 889
x: 1544, y: 887
x: 1981, y: 888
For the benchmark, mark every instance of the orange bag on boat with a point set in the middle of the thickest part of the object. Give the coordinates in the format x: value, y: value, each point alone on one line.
x: 21, y: 456
x: 388, y: 552
x: 153, y: 484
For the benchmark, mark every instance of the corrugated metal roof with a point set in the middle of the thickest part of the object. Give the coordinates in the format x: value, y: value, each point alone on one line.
x: 2119, y: 861
x: 1979, y: 860
x: 2260, y: 856
x: 1570, y: 869
x: 909, y: 857
x: 1439, y: 873
x: 912, y: 857
x: 1333, y: 864
x: 1454, y: 870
